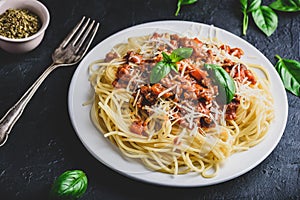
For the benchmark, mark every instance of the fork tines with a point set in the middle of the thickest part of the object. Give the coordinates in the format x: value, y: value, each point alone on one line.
x: 82, y: 35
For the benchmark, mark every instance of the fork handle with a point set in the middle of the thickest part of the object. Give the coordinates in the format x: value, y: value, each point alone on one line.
x: 14, y: 113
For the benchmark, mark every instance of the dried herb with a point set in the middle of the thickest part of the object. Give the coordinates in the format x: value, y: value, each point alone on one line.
x: 18, y: 23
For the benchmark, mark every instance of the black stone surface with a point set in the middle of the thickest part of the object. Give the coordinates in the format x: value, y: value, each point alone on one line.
x: 43, y: 143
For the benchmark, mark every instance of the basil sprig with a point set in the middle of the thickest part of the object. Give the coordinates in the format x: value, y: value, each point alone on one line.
x: 183, y: 2
x: 286, y: 5
x: 164, y: 67
x: 289, y: 71
x: 225, y: 82
x: 264, y: 17
x: 71, y: 184
x: 253, y: 5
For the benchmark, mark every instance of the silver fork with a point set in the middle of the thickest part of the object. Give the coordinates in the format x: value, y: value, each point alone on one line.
x: 69, y: 52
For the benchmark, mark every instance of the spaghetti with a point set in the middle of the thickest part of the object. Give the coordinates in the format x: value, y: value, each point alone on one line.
x: 179, y: 124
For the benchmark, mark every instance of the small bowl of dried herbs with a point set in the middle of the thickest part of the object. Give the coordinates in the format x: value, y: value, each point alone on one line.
x: 22, y: 24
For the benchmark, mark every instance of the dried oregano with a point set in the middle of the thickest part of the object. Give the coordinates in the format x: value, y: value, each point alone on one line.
x: 19, y: 23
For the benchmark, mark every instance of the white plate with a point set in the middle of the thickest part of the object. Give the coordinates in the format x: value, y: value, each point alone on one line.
x: 80, y: 91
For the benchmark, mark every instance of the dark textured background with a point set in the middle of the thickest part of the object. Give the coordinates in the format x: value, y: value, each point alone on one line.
x: 43, y: 143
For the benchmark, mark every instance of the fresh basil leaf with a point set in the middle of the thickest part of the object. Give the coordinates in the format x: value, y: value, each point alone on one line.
x: 162, y: 68
x: 244, y: 5
x: 266, y: 19
x: 230, y: 89
x: 255, y: 4
x: 174, y: 67
x: 183, y: 2
x: 159, y: 71
x: 166, y: 57
x: 69, y: 185
x: 289, y: 71
x: 286, y: 5
x: 225, y: 82
x: 180, y: 54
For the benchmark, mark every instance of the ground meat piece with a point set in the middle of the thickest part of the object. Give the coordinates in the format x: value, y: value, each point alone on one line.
x: 250, y: 76
x: 133, y: 57
x: 205, y: 122
x: 157, y: 88
x: 240, y: 72
x: 148, y: 98
x: 232, y: 108
x: 237, y: 52
x: 198, y: 74
x: 110, y: 56
x: 123, y: 76
x: 138, y: 127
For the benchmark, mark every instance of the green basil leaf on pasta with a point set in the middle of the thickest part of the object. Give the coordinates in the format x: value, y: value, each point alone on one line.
x: 159, y: 71
x: 174, y: 67
x: 265, y: 19
x: 286, y: 5
x: 166, y: 57
x: 71, y: 184
x: 180, y: 54
x: 289, y: 71
x: 163, y: 68
x: 225, y: 82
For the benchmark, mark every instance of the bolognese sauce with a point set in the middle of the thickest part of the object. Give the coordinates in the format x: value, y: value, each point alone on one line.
x: 190, y: 87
